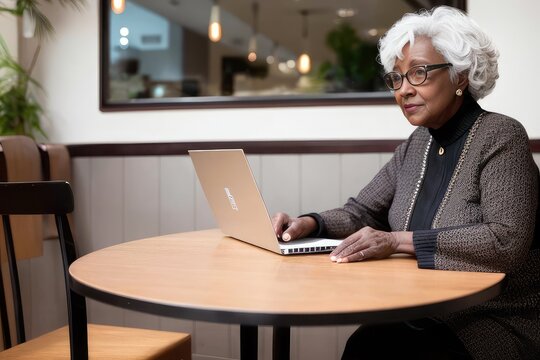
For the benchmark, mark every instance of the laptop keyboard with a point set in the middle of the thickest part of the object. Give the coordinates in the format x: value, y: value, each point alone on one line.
x: 306, y: 250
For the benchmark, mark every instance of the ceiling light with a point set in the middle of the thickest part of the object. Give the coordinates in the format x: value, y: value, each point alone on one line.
x: 345, y: 12
x: 252, y: 52
x: 252, y: 47
x: 124, y: 31
x: 304, y: 61
x: 214, y: 27
x: 273, y: 57
x: 118, y: 6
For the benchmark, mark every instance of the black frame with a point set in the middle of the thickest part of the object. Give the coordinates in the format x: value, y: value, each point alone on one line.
x: 212, y: 102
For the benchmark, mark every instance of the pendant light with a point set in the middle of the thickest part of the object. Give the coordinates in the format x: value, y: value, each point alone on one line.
x: 252, y: 47
x: 214, y: 26
x: 272, y: 58
x: 303, y: 62
x: 118, y: 6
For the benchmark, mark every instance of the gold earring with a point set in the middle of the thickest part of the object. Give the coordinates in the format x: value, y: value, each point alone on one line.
x: 459, y: 92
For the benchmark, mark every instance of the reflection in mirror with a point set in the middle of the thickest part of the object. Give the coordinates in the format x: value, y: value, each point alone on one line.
x: 173, y: 53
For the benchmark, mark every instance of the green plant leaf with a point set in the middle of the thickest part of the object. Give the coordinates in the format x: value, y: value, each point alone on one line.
x: 44, y: 28
x: 19, y: 111
x: 356, y: 67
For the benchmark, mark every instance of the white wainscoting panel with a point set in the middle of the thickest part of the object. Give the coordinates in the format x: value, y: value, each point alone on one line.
x: 212, y: 339
x: 357, y: 170
x: 255, y: 165
x: 280, y: 183
x: 82, y: 227
x: 203, y: 214
x: 176, y: 213
x: 141, y: 216
x: 48, y: 294
x: 324, y: 348
x: 176, y: 194
x: 141, y: 197
x: 320, y: 182
x: 106, y: 222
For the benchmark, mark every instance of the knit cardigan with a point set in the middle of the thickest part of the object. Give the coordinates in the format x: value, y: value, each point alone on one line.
x: 485, y: 222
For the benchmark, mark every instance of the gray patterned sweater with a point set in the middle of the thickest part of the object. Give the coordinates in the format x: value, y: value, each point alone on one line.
x: 485, y: 222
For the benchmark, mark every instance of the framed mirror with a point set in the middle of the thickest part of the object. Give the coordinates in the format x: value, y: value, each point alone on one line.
x: 245, y: 53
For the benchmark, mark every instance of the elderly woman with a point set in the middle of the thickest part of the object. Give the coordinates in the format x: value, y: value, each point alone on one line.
x: 460, y: 194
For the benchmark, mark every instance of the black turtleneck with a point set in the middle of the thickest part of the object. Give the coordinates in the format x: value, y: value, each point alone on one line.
x: 443, y: 156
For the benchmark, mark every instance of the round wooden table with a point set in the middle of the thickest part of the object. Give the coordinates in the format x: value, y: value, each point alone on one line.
x: 206, y: 276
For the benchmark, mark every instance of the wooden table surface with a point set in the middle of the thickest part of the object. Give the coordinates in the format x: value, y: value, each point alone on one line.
x: 206, y: 276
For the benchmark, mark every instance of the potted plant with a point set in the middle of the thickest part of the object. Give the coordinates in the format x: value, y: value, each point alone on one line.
x: 356, y: 67
x: 20, y: 112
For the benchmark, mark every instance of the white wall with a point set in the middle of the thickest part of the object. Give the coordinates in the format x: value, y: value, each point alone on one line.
x: 68, y: 69
x: 513, y: 27
x: 8, y: 30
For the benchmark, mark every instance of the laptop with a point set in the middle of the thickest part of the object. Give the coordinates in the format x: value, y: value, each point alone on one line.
x: 237, y: 204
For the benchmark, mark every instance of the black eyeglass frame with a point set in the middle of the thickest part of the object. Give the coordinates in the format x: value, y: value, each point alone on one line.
x: 427, y: 68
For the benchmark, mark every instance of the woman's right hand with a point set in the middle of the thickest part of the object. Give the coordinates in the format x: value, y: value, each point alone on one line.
x: 288, y: 228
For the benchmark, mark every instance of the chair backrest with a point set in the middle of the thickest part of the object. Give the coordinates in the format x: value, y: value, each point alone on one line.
x: 44, y: 197
x: 55, y: 165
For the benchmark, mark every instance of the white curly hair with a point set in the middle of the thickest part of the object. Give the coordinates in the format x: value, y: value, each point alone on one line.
x: 455, y: 36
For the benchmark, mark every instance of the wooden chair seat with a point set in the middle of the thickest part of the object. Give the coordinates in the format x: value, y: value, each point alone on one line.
x: 107, y: 343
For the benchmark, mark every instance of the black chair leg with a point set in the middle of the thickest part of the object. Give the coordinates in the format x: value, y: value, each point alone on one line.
x: 14, y: 276
x: 6, y: 333
x: 281, y: 343
x: 78, y: 327
x: 249, y: 342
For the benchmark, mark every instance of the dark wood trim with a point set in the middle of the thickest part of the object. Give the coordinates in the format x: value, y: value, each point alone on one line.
x: 103, y: 51
x: 415, y: 4
x: 250, y: 147
x: 225, y: 102
x: 535, y: 145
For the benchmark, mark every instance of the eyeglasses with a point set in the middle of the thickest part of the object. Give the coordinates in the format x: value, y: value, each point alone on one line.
x: 415, y: 75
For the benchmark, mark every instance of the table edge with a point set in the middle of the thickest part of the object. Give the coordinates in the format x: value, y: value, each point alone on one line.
x: 290, y: 319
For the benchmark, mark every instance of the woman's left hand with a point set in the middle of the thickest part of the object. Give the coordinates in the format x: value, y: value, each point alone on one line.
x: 366, y: 243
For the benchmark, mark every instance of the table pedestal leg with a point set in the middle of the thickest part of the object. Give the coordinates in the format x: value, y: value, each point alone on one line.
x: 248, y: 342
x: 281, y: 347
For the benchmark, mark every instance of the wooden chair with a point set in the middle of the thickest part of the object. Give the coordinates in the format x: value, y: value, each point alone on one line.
x: 78, y: 340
